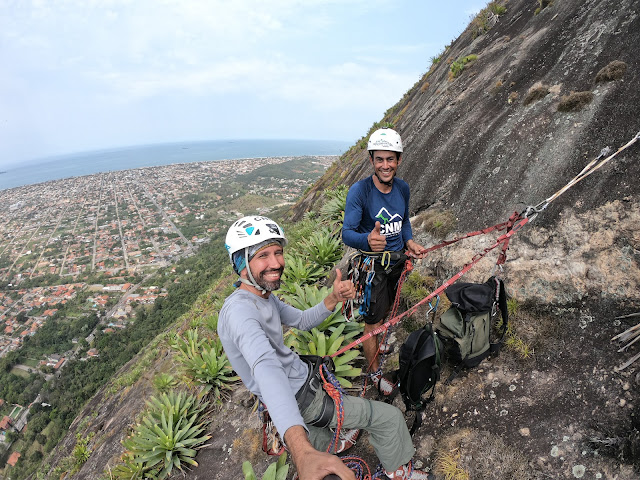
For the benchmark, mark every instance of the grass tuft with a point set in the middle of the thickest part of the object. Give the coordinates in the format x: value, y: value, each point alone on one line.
x: 537, y: 92
x: 458, y: 66
x: 613, y: 71
x: 438, y: 223
x: 486, y: 18
x: 447, y: 465
x: 575, y: 101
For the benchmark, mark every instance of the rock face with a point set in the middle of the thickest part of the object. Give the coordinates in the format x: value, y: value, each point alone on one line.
x: 496, y: 138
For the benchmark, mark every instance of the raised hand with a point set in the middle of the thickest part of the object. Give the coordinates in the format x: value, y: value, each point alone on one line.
x: 377, y: 241
x: 345, y: 289
x: 342, y: 290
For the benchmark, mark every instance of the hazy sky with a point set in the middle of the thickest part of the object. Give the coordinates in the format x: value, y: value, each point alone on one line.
x: 84, y: 75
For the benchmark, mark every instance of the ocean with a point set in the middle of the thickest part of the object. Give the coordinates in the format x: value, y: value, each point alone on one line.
x: 126, y: 158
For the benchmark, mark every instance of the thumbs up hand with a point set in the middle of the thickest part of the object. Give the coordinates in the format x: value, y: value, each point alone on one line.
x: 377, y: 241
x: 342, y: 290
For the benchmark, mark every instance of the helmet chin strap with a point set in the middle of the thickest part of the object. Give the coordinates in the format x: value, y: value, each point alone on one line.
x: 252, y: 281
x: 388, y: 184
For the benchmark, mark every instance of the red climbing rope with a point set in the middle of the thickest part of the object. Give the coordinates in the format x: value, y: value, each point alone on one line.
x: 517, y: 224
x: 333, y: 389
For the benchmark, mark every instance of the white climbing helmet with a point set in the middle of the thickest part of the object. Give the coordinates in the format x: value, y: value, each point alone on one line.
x: 385, y: 139
x: 250, y: 231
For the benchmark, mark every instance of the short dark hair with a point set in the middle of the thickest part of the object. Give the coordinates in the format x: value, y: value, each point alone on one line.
x: 398, y: 154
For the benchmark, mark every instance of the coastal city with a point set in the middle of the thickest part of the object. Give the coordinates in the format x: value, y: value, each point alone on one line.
x: 94, y: 239
x: 84, y: 260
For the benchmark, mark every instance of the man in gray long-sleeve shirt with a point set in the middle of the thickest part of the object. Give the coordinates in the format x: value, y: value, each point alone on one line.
x: 250, y: 328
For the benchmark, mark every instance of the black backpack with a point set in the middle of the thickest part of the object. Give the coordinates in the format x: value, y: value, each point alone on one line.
x: 466, y: 327
x: 420, y: 363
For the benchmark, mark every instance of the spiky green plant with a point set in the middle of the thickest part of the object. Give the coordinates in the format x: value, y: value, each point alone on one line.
x: 81, y: 451
x: 315, y: 342
x: 211, y: 321
x: 298, y: 271
x: 169, y: 435
x: 177, y: 404
x: 196, y: 322
x: 300, y: 230
x: 210, y: 367
x: 164, y: 382
x: 496, y: 8
x: 276, y: 471
x: 332, y: 211
x: 309, y: 295
x: 128, y: 469
x: 460, y: 64
x: 188, y: 345
x: 323, y: 248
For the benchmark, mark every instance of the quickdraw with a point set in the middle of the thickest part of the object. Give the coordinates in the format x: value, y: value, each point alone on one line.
x: 271, y: 442
x: 361, y: 272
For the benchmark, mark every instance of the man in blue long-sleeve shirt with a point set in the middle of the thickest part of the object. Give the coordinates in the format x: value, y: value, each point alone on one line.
x: 376, y: 220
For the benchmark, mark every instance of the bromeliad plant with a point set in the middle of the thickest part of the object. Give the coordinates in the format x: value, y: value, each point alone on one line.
x: 275, y: 471
x: 169, y: 435
x: 298, y: 271
x: 163, y: 382
x: 309, y: 295
x: 206, y: 363
x: 323, y: 248
x: 190, y: 345
x: 328, y: 337
x: 332, y: 212
x: 315, y: 342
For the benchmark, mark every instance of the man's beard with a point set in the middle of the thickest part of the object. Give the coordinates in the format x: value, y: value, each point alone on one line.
x: 266, y: 285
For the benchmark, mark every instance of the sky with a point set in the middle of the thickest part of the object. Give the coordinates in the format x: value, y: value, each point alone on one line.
x: 80, y: 75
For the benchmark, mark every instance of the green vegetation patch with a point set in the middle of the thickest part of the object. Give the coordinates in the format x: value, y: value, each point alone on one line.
x: 305, y: 167
x: 30, y: 362
x: 542, y: 4
x: 275, y: 471
x: 250, y: 203
x: 19, y: 372
x: 438, y: 223
x: 168, y: 437
x: 486, y: 18
x: 458, y: 66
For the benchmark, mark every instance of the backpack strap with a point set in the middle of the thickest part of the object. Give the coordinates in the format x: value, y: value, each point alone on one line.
x: 501, y: 302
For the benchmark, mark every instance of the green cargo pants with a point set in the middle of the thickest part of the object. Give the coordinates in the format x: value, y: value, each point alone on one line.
x: 388, y: 432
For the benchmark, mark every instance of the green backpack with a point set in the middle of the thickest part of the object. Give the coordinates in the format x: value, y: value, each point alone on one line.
x: 466, y: 327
